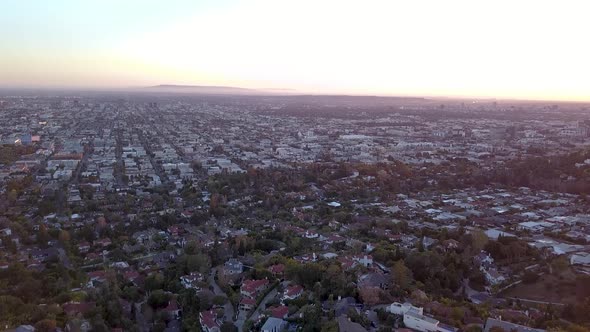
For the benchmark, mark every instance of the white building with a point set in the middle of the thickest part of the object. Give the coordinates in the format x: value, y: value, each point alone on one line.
x: 582, y: 259
x: 366, y: 260
x: 416, y: 321
x: 273, y: 325
x: 414, y: 318
x: 400, y: 309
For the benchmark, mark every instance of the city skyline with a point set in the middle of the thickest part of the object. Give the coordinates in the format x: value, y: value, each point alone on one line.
x: 524, y: 50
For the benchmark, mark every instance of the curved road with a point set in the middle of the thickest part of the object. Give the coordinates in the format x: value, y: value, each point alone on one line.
x: 229, y: 308
x: 271, y: 295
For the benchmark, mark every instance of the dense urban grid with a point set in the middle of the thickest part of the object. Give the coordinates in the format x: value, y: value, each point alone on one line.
x: 301, y: 213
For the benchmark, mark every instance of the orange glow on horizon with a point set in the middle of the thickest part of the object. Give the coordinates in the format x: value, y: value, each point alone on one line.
x: 505, y: 49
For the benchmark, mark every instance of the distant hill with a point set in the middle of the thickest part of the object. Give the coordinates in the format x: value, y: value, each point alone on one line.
x: 207, y: 89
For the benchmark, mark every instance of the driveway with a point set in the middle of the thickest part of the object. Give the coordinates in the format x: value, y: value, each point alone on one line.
x: 242, y: 316
x: 271, y: 295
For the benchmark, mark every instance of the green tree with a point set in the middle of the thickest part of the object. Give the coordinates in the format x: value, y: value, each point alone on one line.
x: 330, y: 326
x: 158, y: 299
x: 420, y: 245
x: 228, y: 327
x: 219, y: 300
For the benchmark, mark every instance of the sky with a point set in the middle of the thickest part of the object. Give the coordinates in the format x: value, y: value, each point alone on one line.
x: 524, y: 49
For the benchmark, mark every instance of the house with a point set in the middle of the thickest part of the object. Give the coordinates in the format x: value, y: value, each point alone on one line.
x: 74, y: 308
x: 92, y: 256
x: 483, y: 259
x: 173, y: 310
x: 277, y: 270
x: 335, y: 238
x: 450, y: 245
x: 400, y: 309
x: 83, y: 247
x: 347, y: 263
x: 96, y: 277
x: 394, y: 237
x: 311, y: 234
x: 233, y: 266
x: 131, y: 276
x: 582, y: 259
x: 247, y: 304
x: 416, y: 320
x: 373, y: 280
x: 493, y: 276
x: 191, y: 280
x: 292, y: 292
x: 44, y: 255
x: 120, y: 265
x: 6, y: 232
x: 173, y: 230
x: 186, y: 214
x: 103, y: 242
x: 507, y: 326
x: 535, y: 226
x: 25, y: 328
x: 209, y: 321
x: 365, y: 260
x: 80, y: 325
x: 306, y: 258
x: 281, y: 312
x: 251, y: 288
x: 273, y: 324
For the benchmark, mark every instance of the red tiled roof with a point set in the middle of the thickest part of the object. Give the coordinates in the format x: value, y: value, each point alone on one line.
x: 252, y: 285
x: 208, y: 318
x: 293, y: 290
x: 131, y: 275
x: 97, y: 274
x: 278, y: 268
x: 74, y: 307
x: 248, y: 301
x: 172, y: 305
x: 279, y: 312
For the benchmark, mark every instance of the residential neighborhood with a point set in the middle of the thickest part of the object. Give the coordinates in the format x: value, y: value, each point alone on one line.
x: 293, y: 213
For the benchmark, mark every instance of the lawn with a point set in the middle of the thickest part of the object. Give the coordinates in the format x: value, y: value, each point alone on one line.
x: 563, y: 288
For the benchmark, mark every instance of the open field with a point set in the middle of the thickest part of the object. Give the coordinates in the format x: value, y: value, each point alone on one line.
x: 564, y: 288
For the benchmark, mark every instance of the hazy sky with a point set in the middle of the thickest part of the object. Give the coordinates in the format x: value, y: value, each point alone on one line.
x: 501, y: 48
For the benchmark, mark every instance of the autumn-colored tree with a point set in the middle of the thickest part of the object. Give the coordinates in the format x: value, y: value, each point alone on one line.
x: 46, y: 325
x: 479, y: 239
x: 43, y: 236
x: 370, y: 295
x: 64, y: 236
x: 401, y: 276
x: 559, y: 265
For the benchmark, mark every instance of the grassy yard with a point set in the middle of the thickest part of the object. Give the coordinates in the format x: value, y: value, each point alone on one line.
x: 562, y: 288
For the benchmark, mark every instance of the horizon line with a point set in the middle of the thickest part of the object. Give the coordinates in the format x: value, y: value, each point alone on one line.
x: 278, y: 92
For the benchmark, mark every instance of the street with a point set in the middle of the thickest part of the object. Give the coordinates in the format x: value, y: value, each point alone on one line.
x: 229, y: 309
